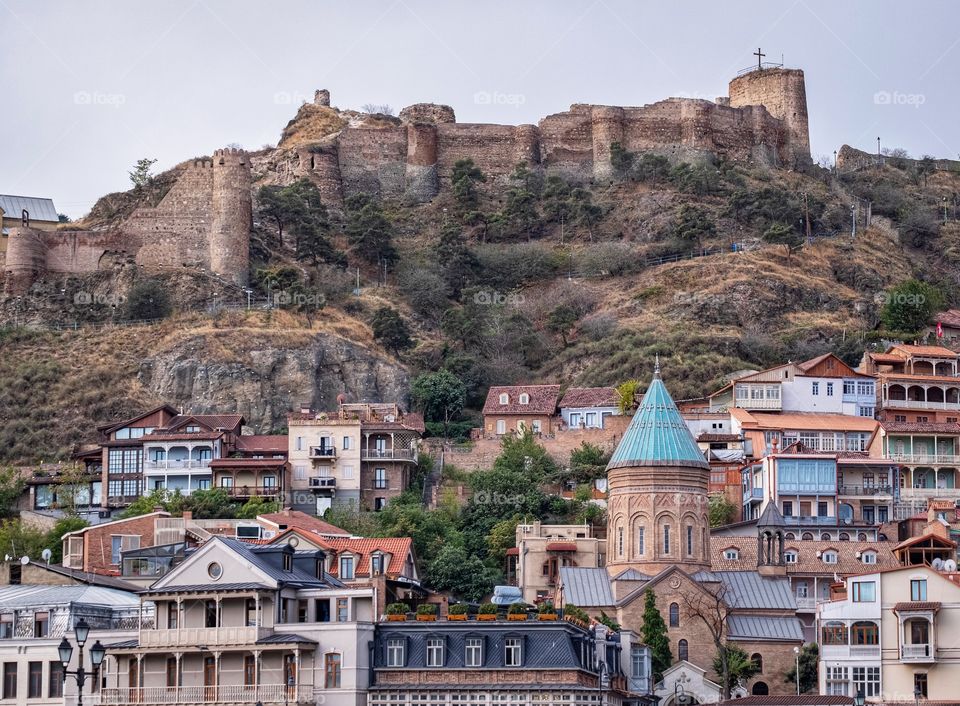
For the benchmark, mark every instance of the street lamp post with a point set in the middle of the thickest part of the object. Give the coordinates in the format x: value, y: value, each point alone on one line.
x: 796, y: 653
x: 81, y: 631
x: 860, y: 698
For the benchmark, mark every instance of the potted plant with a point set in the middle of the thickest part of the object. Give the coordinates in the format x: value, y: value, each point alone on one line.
x: 397, y: 612
x: 517, y: 611
x: 427, y: 612
x: 546, y: 611
x: 457, y: 612
x: 488, y: 611
x: 576, y: 615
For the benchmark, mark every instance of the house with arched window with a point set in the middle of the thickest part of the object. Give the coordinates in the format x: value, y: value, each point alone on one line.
x: 514, y: 409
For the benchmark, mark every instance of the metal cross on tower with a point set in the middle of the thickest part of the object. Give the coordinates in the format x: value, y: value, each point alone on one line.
x: 759, y: 56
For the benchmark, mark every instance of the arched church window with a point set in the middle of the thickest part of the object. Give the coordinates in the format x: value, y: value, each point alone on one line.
x: 674, y: 615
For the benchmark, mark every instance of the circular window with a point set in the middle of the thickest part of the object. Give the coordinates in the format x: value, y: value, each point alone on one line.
x: 214, y: 570
x: 293, y: 541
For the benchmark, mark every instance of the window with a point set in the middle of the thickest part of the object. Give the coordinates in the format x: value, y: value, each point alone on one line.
x: 829, y: 557
x: 731, y: 554
x: 41, y: 624
x: 435, y: 652
x: 899, y: 418
x: 172, y: 672
x: 590, y: 419
x: 790, y: 557
x: 788, y: 508
x: 641, y: 541
x: 380, y: 478
x: 689, y: 540
x: 869, y: 557
x: 302, y: 607
x: 210, y: 614
x: 300, y: 472
x: 524, y: 398
x: 288, y: 562
x: 346, y: 471
x: 867, y: 680
x: 757, y: 660
x: 123, y: 461
x: 249, y: 671
x: 821, y: 509
x: 55, y: 681
x: 343, y: 610
x: 864, y: 592
x: 6, y: 626
x: 122, y: 543
x: 473, y: 656
x: 214, y: 570
x: 918, y: 589
x: 849, y: 387
x: 575, y: 419
x: 346, y: 443
x: 674, y: 615
x: 9, y: 680
x: 865, y: 387
x: 512, y: 652
x: 666, y: 539
x: 682, y: 650
x: 173, y: 616
x: 834, y: 633
x: 192, y: 429
x: 866, y: 412
x: 35, y: 680
x: 829, y: 389
x: 620, y: 541
x: 346, y: 567
x: 919, y: 684
x: 501, y: 426
x: 864, y: 633
x: 379, y: 504
x: 226, y: 482
x: 922, y: 420
x: 536, y: 426
x: 504, y: 398
x: 396, y: 649
x: 376, y: 564
x: 331, y: 669
x: 816, y: 387
x: 837, y: 681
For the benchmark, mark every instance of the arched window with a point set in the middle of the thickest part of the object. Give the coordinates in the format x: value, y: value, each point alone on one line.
x: 504, y: 398
x: 807, y: 535
x: 834, y: 633
x: 620, y: 541
x: 524, y: 398
x: 844, y: 537
x: 682, y: 650
x: 864, y: 632
x: 674, y: 615
x: 790, y: 556
x: 826, y: 537
x: 757, y: 659
x: 790, y: 535
x: 862, y: 537
x: 760, y: 689
x: 829, y: 557
x: 731, y: 553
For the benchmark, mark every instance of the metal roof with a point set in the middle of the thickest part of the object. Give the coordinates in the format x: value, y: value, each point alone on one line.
x: 40, y: 209
x: 284, y: 638
x: 26, y: 595
x: 586, y: 587
x: 763, y: 627
x: 657, y: 435
x: 748, y: 589
x: 210, y: 588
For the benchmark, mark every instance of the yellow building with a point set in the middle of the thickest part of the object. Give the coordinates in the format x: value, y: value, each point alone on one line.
x: 42, y: 215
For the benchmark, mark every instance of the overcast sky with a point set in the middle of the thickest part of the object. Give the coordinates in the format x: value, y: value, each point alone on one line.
x: 90, y: 87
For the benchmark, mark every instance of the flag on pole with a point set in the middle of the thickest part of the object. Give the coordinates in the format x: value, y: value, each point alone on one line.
x: 939, y: 330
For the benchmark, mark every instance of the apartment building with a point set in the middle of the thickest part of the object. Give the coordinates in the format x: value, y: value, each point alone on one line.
x: 553, y: 663
x: 892, y: 636
x: 513, y: 409
x: 240, y: 623
x: 257, y: 468
x: 542, y: 550
x: 916, y: 383
x: 362, y: 454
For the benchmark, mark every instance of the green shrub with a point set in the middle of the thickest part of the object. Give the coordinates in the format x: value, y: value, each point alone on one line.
x: 576, y: 612
x: 517, y: 609
x: 427, y: 609
x: 398, y: 609
x: 488, y: 609
x: 546, y: 608
x: 459, y: 609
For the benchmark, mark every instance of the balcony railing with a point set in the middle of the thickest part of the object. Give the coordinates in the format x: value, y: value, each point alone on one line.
x: 926, y: 493
x: 251, y: 491
x: 210, y: 637
x: 176, y: 464
x: 387, y: 455
x: 917, y: 653
x: 921, y: 404
x: 927, y: 459
x: 759, y: 404
x: 323, y: 482
x: 223, y: 694
x: 811, y: 520
x: 323, y: 452
x: 806, y: 603
x: 828, y: 652
x: 866, y: 491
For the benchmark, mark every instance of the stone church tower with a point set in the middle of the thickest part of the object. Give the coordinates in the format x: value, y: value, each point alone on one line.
x: 657, y: 492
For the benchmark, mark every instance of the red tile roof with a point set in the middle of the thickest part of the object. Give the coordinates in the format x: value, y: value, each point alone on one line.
x: 928, y: 427
x: 589, y: 397
x: 275, y: 443
x: 561, y: 546
x: 950, y: 318
x: 301, y: 520
x: 399, y: 549
x: 543, y: 399
x: 808, y: 562
x: 916, y: 605
x: 886, y: 358
x: 936, y: 351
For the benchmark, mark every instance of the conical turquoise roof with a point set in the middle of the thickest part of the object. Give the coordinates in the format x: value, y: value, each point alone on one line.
x: 657, y: 435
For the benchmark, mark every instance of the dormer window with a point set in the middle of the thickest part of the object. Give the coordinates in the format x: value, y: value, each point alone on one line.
x: 829, y: 557
x: 869, y: 557
x: 192, y: 428
x: 504, y: 398
x: 287, y: 562
x: 346, y: 567
x: 731, y: 554
x: 376, y: 564
x: 320, y: 568
x: 524, y: 398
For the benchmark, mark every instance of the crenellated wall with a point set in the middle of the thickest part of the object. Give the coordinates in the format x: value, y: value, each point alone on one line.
x: 203, y: 221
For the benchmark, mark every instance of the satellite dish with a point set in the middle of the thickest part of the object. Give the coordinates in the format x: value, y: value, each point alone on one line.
x: 47, y: 555
x: 950, y: 565
x: 24, y: 560
x: 937, y: 564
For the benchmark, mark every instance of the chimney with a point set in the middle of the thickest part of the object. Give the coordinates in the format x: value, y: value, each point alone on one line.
x: 187, y: 516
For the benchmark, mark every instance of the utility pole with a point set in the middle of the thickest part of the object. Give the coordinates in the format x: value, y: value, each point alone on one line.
x: 853, y: 220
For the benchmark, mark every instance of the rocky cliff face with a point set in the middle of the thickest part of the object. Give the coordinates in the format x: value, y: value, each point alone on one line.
x: 270, y: 380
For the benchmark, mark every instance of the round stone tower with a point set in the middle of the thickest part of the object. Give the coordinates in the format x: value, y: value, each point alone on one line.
x: 232, y: 215
x: 607, y: 128
x: 657, y: 492
x: 26, y: 260
x: 783, y: 93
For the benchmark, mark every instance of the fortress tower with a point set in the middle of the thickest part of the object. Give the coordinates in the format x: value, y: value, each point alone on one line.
x: 657, y: 482
x: 232, y: 215
x: 26, y: 260
x: 783, y: 93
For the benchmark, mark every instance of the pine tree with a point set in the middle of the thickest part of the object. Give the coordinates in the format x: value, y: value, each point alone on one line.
x: 654, y: 635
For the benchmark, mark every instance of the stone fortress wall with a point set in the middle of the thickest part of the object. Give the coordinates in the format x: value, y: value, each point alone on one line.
x: 204, y: 220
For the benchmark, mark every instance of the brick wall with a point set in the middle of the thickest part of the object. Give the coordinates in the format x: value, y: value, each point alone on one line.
x: 97, y: 544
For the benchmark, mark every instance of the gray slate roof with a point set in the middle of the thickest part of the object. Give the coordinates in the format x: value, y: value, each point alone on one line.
x: 254, y: 554
x: 760, y: 627
x: 40, y: 209
x: 586, y: 587
x: 209, y: 587
x: 748, y: 589
x: 28, y: 596
x: 283, y: 638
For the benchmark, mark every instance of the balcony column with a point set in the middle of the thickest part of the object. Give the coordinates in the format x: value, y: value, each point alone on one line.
x: 216, y: 670
x: 219, y: 616
x: 179, y: 618
x: 178, y: 677
x: 296, y: 679
x: 257, y: 614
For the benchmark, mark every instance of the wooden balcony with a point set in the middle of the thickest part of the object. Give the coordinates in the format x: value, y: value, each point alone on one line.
x: 208, y: 637
x: 918, y: 653
x: 223, y: 694
x: 388, y: 455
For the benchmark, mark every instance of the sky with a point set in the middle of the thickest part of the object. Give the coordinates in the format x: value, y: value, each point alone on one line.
x: 91, y: 86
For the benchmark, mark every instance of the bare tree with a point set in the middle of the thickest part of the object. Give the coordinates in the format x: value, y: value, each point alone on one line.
x: 708, y: 603
x: 377, y: 108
